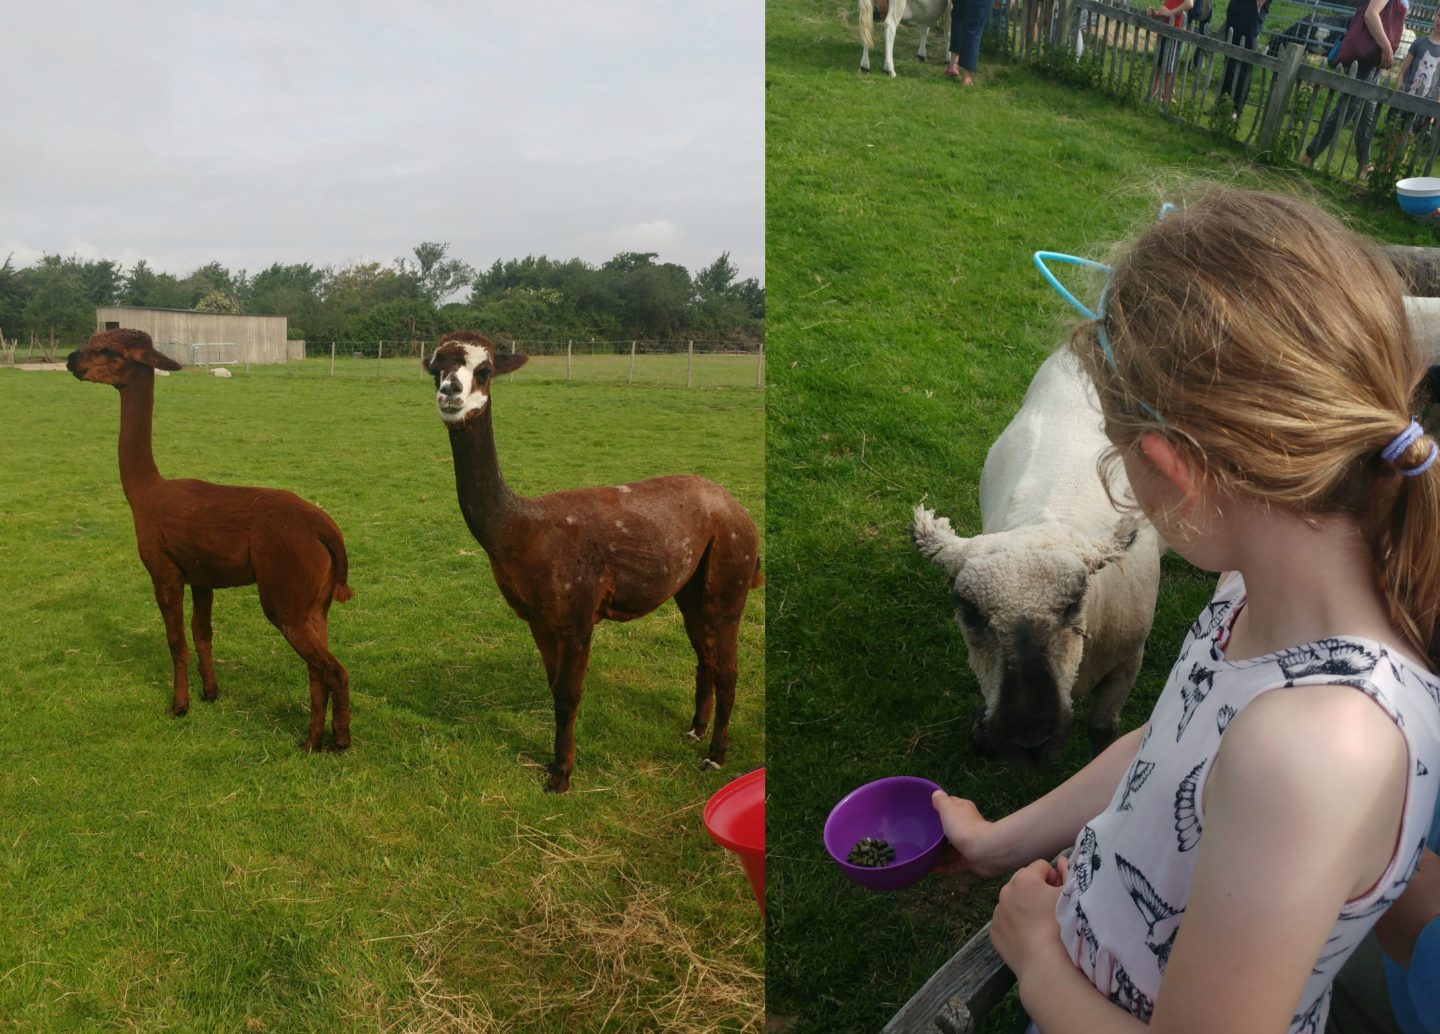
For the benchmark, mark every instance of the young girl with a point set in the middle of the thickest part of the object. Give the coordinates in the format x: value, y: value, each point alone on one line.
x: 1256, y: 371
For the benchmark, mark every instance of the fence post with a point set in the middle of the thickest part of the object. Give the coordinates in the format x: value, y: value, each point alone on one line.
x: 1280, y: 92
x: 630, y: 377
x: 332, y: 359
x: 569, y: 347
x: 760, y: 367
x: 689, y: 363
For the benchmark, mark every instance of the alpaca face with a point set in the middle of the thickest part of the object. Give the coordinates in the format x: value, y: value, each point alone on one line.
x: 463, y: 365
x: 115, y: 357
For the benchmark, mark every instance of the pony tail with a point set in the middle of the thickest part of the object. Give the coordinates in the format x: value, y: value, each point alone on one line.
x: 1407, y: 559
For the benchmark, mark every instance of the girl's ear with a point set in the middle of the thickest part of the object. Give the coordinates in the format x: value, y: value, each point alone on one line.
x: 1170, y: 462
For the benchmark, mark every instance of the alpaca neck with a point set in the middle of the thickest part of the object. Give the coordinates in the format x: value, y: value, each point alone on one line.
x: 137, y: 461
x: 485, y: 499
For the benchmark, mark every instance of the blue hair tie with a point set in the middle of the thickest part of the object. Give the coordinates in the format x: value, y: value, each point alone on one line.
x: 1403, y: 441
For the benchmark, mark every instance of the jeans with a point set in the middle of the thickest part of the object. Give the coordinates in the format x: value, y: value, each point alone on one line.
x: 1347, y: 108
x: 967, y: 25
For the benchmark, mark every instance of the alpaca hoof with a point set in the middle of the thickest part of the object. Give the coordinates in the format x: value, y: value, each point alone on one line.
x: 339, y: 748
x: 310, y: 746
x: 179, y: 712
x: 555, y: 784
x: 693, y: 735
x: 210, y: 697
x: 710, y: 765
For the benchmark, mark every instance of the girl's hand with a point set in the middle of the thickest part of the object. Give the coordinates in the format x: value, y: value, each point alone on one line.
x: 967, y: 833
x: 1023, y: 928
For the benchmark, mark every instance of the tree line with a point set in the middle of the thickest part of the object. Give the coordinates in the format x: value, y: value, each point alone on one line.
x: 630, y: 296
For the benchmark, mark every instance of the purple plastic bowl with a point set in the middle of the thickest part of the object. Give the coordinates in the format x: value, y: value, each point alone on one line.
x: 896, y: 809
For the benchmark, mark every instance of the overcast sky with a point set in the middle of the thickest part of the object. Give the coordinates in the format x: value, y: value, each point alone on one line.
x: 327, y: 132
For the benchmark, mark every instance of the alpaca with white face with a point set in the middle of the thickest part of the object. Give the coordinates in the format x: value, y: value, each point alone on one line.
x: 566, y: 560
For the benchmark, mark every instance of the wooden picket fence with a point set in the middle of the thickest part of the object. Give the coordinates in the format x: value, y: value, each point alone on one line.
x: 1276, y: 112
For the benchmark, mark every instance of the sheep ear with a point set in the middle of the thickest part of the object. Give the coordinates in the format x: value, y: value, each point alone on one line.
x: 938, y: 542
x: 510, y: 363
x: 1127, y: 529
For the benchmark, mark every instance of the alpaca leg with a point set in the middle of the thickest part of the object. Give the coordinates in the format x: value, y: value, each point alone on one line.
x: 200, y: 632
x: 691, y: 601
x: 566, y: 686
x: 726, y: 672
x: 329, y: 682
x: 171, y: 598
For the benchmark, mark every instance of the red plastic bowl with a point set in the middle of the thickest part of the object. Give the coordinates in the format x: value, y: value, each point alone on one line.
x: 735, y: 818
x: 896, y: 809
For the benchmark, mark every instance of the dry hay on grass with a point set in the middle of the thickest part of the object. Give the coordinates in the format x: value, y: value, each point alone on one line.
x: 582, y: 953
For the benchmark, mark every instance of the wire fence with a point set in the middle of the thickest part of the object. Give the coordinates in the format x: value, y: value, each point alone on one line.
x: 691, y: 363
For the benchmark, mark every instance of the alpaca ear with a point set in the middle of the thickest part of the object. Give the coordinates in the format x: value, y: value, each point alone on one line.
x: 427, y: 363
x: 510, y: 363
x: 159, y: 360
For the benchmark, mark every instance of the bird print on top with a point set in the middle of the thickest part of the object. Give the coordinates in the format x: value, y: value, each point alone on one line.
x: 1209, y: 619
x: 1129, y: 997
x: 1193, y: 693
x: 1120, y: 922
x: 1309, y: 1021
x: 1335, y: 657
x: 1222, y: 718
x: 1187, y: 820
x: 1153, y: 908
x: 1139, y: 772
x: 1084, y: 862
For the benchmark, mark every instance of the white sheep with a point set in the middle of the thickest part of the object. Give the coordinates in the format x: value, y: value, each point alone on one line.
x: 1056, y: 596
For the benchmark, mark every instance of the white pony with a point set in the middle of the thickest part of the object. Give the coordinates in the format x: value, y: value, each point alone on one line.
x: 926, y: 14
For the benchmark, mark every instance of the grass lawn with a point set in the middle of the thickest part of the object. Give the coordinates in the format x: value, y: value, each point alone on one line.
x: 203, y: 874
x: 905, y: 322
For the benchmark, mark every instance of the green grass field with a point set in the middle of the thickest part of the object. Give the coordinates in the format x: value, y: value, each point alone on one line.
x: 203, y: 874
x: 905, y: 322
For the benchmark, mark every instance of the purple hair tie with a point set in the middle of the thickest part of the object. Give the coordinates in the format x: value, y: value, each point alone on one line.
x: 1403, y: 441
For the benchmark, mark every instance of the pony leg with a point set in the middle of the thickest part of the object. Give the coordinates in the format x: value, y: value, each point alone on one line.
x: 920, y: 53
x: 890, y: 48
x: 170, y: 595
x: 200, y: 631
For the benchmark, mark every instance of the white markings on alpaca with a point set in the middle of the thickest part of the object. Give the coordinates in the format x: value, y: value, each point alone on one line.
x: 622, y: 488
x: 454, y: 408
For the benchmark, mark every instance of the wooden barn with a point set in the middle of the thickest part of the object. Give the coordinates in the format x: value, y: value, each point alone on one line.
x: 206, y: 338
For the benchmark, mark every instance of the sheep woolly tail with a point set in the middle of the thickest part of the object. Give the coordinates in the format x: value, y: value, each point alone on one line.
x: 931, y: 534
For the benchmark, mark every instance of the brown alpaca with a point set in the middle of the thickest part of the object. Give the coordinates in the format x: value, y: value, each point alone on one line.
x: 217, y: 536
x: 566, y: 560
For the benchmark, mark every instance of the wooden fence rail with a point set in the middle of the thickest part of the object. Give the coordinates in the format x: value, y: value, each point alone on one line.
x: 1276, y: 104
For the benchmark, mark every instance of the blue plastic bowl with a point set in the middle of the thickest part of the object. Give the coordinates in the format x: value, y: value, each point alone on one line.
x: 1418, y: 195
x: 1418, y: 205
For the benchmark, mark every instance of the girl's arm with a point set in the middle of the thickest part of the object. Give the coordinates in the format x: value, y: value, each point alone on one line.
x: 1040, y: 829
x: 1300, y: 815
x: 1377, y: 29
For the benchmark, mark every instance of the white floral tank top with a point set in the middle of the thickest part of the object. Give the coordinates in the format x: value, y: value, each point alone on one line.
x: 1125, y: 896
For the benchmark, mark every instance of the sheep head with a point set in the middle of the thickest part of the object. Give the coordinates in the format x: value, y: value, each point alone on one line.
x: 1022, y: 600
